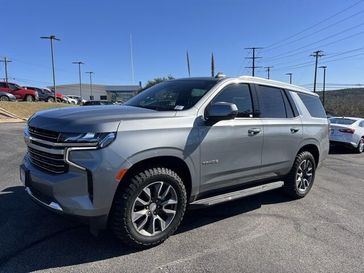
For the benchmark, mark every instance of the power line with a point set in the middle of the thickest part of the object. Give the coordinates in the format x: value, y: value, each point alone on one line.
x: 253, y: 58
x: 314, y: 25
x: 323, y: 39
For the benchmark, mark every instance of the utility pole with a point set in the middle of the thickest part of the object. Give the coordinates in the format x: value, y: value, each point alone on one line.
x: 268, y: 68
x: 131, y: 58
x: 51, y: 38
x: 188, y: 64
x: 5, y: 61
x: 290, y: 77
x: 323, y: 84
x: 212, y: 65
x: 90, y: 73
x: 253, y: 58
x: 79, y: 75
x: 316, y: 54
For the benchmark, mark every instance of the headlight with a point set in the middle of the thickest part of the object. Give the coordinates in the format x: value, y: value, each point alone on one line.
x: 94, y: 139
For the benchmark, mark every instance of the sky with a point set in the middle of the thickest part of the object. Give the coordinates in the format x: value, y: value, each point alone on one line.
x: 98, y: 34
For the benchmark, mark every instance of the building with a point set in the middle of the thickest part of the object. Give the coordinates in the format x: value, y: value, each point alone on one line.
x: 100, y: 92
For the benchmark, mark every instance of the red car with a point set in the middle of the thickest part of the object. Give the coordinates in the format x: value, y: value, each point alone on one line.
x: 19, y: 92
x: 46, y: 95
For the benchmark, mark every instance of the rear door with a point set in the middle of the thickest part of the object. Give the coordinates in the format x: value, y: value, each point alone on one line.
x: 282, y: 130
x: 15, y: 90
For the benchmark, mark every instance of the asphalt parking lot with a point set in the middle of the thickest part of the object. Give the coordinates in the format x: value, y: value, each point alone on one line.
x: 323, y: 232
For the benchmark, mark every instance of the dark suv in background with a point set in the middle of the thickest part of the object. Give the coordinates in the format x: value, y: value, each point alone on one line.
x: 46, y: 94
x: 20, y: 93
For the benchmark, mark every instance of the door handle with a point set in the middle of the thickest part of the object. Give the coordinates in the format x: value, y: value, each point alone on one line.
x: 294, y: 130
x: 253, y: 131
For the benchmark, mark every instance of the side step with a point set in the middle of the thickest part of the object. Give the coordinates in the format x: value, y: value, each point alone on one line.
x: 226, y: 197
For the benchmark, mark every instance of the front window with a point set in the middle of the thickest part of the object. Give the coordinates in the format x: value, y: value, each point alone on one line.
x: 174, y: 95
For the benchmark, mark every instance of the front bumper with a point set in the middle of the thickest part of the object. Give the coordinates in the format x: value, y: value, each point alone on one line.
x: 84, y: 193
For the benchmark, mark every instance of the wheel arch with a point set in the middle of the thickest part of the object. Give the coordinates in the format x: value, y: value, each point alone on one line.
x: 313, y: 149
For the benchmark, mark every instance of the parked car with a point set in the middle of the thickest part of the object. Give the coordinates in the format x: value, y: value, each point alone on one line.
x: 348, y: 132
x: 97, y: 102
x: 78, y: 98
x: 19, y: 92
x: 196, y: 141
x: 46, y: 94
x: 70, y: 100
x: 5, y: 96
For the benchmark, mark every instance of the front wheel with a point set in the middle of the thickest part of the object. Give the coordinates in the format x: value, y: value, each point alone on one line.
x: 302, y: 175
x: 29, y: 98
x: 149, y: 208
x: 4, y: 98
x: 360, y: 147
x: 50, y: 99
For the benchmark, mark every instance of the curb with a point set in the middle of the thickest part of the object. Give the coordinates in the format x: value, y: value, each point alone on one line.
x: 11, y: 116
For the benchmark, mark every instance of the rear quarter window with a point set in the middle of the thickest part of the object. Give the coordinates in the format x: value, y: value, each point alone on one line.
x: 313, y: 105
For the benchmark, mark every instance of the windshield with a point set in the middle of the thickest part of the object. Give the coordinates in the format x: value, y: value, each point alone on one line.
x: 174, y: 95
x: 344, y: 121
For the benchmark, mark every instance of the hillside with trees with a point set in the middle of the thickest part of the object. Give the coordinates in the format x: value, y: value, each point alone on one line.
x: 345, y: 102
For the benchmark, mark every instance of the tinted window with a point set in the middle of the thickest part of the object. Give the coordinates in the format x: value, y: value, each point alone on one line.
x: 343, y: 121
x: 2, y: 85
x: 239, y: 94
x: 13, y: 86
x: 288, y: 106
x: 173, y: 95
x: 313, y: 105
x: 271, y: 102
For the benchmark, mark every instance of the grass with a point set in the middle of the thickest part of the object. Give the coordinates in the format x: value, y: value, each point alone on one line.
x: 25, y: 109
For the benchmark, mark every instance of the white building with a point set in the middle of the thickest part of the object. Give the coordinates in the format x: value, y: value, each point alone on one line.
x: 100, y: 92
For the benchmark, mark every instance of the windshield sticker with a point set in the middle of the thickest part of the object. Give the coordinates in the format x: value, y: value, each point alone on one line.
x: 179, y: 107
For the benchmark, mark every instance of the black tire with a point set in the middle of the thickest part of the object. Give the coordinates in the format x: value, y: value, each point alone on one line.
x: 360, y: 147
x: 4, y: 98
x: 29, y: 98
x: 120, y: 220
x: 50, y: 99
x: 292, y: 185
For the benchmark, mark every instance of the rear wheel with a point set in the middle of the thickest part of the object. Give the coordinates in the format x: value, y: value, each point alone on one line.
x: 360, y: 147
x: 149, y: 208
x: 50, y: 99
x: 29, y: 98
x: 302, y: 175
x: 4, y: 98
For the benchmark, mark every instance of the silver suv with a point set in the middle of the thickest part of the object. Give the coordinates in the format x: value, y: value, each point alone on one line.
x: 199, y: 141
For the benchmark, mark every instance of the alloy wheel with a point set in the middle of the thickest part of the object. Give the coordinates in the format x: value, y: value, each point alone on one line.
x: 304, y: 175
x: 154, y: 208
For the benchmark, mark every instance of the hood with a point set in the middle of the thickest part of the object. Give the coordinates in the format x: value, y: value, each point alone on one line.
x: 91, y: 118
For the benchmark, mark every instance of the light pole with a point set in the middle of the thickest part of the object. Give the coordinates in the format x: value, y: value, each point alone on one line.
x: 323, y: 84
x: 290, y: 77
x: 79, y: 75
x: 51, y: 38
x: 90, y: 73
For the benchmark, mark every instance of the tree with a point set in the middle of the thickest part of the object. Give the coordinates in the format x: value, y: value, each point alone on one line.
x: 150, y: 83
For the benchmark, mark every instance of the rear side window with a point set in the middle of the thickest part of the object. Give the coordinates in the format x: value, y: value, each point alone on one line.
x: 239, y: 94
x: 2, y: 85
x: 313, y: 105
x: 271, y: 102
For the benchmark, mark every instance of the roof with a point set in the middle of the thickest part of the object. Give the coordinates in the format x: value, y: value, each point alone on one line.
x: 283, y: 85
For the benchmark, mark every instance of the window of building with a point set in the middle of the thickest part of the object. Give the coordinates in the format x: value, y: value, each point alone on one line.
x: 102, y: 97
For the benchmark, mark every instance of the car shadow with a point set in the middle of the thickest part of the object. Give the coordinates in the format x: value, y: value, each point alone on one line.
x: 341, y: 150
x: 33, y: 238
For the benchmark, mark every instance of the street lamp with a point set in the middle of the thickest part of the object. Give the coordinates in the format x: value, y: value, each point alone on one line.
x: 90, y: 73
x: 290, y: 77
x: 79, y: 75
x: 323, y: 84
x: 51, y: 38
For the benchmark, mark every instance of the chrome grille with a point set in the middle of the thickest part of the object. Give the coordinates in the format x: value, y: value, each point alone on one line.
x: 42, y: 154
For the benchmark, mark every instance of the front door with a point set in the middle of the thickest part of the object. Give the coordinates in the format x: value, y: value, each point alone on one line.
x: 231, y: 149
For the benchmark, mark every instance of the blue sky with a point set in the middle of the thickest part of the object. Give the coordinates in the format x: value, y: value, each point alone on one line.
x: 97, y: 33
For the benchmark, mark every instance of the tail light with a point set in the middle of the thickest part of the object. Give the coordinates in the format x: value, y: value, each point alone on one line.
x: 347, y: 130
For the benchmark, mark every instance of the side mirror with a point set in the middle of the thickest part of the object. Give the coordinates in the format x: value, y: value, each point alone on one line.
x: 221, y: 111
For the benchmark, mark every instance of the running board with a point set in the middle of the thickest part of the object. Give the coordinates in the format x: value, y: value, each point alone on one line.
x: 214, y: 200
